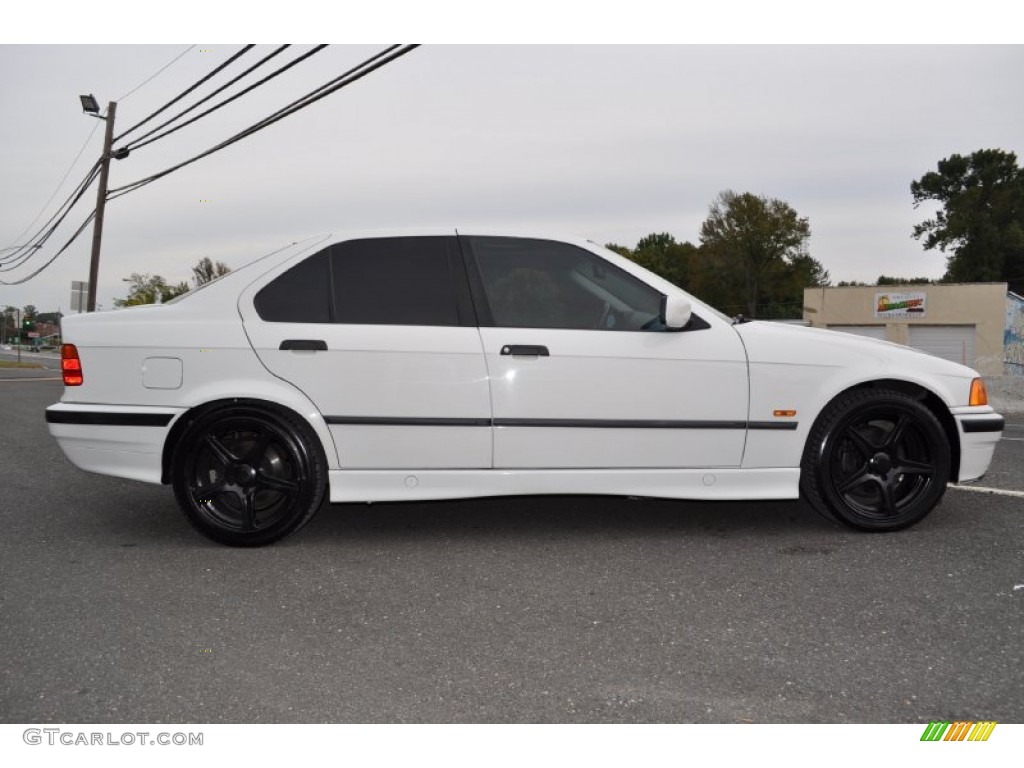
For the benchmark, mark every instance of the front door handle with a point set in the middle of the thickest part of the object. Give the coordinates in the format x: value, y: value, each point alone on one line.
x: 307, y: 345
x: 525, y: 349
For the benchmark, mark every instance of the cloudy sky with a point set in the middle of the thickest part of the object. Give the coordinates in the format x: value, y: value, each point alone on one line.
x: 608, y: 142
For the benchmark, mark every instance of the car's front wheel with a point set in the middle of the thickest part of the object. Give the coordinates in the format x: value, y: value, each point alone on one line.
x: 877, y: 460
x: 248, y: 475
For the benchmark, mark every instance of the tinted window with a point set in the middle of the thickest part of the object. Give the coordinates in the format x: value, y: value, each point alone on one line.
x: 546, y: 284
x: 300, y: 295
x: 395, y: 281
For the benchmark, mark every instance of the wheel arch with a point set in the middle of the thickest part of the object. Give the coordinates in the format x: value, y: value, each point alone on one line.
x: 927, y: 397
x: 182, y: 423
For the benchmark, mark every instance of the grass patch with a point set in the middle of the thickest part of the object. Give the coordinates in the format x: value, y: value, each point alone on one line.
x: 16, y: 364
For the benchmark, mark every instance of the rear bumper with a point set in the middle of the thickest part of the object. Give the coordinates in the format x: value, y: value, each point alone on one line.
x: 980, y: 430
x: 117, y: 440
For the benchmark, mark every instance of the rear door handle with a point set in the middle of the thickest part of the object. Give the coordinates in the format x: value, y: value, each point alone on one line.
x: 525, y: 349
x: 307, y: 345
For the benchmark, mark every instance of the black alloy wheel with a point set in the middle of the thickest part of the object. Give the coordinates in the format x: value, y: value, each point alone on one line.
x: 249, y: 476
x: 877, y: 460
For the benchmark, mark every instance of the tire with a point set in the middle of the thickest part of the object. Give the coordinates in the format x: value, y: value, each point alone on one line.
x: 247, y: 476
x: 876, y: 460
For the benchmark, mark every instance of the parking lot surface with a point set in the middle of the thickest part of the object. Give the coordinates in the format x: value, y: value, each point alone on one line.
x: 548, y: 609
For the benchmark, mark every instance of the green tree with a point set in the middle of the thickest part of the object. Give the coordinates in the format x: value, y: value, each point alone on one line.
x: 754, y: 251
x: 206, y: 270
x: 887, y: 280
x: 619, y: 249
x: 980, y: 222
x: 9, y: 320
x: 660, y: 253
x: 146, y: 289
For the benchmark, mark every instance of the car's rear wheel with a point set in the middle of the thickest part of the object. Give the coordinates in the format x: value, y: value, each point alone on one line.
x: 877, y: 460
x: 247, y: 475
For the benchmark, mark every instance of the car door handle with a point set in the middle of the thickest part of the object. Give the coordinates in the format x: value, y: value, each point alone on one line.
x: 525, y: 349
x: 307, y: 345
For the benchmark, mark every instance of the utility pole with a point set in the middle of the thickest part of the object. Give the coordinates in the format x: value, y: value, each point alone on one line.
x: 101, y: 203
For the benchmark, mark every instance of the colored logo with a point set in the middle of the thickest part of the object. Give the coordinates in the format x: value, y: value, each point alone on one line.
x: 961, y: 730
x: 900, y: 304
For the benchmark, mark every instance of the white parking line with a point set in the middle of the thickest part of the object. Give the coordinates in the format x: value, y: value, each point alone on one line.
x: 983, y: 489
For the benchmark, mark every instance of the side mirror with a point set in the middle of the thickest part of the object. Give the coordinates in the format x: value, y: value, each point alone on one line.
x: 675, y: 312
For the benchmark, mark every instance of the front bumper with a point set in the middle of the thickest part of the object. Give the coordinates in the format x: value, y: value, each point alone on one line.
x: 980, y: 429
x: 117, y: 440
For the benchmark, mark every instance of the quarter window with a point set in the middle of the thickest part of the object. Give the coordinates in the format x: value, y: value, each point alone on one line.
x: 300, y: 295
x: 545, y: 284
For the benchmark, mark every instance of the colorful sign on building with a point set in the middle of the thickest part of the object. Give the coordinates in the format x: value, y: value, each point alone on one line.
x: 900, y: 304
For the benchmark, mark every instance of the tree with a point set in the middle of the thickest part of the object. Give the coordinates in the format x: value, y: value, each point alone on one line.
x: 660, y: 253
x: 980, y: 222
x: 206, y: 270
x: 146, y: 289
x: 754, y: 249
x: 887, y: 280
x: 619, y: 249
x: 9, y: 320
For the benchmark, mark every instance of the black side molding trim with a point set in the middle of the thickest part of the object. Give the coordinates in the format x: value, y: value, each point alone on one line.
x: 571, y: 423
x: 407, y: 422
x: 987, y: 424
x: 785, y: 425
x: 643, y: 424
x: 99, y: 418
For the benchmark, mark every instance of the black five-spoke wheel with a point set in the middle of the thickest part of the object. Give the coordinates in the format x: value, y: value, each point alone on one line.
x: 247, y: 475
x: 876, y: 460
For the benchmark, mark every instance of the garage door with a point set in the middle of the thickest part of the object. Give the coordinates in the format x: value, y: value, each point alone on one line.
x: 871, y: 331
x: 951, y: 342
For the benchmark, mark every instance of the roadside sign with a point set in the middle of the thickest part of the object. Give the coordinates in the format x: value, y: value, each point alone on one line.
x: 79, y: 295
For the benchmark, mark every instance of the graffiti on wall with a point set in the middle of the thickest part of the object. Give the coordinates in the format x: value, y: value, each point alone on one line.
x: 1013, y: 334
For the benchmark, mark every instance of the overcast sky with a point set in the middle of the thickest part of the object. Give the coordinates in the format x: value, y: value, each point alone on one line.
x: 607, y: 142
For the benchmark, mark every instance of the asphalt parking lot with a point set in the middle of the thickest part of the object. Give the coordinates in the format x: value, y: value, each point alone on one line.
x: 551, y: 609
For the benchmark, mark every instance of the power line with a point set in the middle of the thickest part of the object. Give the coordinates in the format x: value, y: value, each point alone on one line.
x: 352, y: 75
x: 66, y: 206
x: 24, y: 252
x: 366, y: 67
x: 187, y: 91
x: 153, y: 76
x: 138, y: 143
x: 53, y: 258
x: 57, y: 189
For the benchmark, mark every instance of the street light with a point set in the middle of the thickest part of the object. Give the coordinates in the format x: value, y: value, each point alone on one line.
x: 90, y: 105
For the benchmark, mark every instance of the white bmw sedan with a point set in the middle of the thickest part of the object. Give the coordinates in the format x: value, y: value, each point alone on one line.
x: 438, y: 365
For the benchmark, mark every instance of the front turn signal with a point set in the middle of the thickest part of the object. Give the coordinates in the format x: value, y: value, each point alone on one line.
x: 978, y: 394
x: 70, y: 365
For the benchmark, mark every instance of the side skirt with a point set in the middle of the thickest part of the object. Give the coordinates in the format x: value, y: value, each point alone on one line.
x: 702, y: 484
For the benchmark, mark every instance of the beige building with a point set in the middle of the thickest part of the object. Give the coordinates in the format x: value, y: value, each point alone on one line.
x: 963, y: 322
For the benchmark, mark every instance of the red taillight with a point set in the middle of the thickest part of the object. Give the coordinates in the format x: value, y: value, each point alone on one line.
x: 70, y: 365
